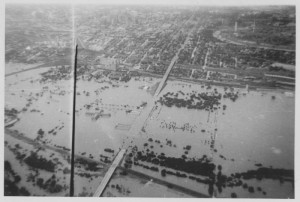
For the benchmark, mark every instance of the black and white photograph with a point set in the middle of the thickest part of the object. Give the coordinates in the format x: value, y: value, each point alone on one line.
x: 150, y: 99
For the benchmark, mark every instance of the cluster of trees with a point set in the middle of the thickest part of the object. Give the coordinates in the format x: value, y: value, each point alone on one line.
x: 199, y: 167
x: 10, y: 185
x: 91, y: 166
x: 201, y: 101
x: 11, y: 189
x: 50, y: 185
x: 39, y: 162
x: 109, y: 150
x: 8, y: 169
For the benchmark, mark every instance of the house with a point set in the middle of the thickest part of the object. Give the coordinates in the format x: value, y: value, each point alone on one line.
x: 108, y: 63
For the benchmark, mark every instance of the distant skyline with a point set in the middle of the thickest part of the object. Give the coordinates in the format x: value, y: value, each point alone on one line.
x: 163, y: 2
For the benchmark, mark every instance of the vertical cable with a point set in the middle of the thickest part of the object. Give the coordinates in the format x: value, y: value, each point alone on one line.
x: 73, y: 126
x: 74, y: 108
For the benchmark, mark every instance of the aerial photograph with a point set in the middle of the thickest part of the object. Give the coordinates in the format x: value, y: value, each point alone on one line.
x: 149, y: 100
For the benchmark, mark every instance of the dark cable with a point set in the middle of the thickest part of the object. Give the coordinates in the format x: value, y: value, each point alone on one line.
x: 73, y: 125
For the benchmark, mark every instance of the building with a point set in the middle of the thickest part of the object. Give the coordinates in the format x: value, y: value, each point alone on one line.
x: 235, y: 29
x: 108, y: 63
x: 284, y: 66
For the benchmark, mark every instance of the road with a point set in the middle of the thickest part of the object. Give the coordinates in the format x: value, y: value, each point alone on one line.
x: 161, y: 84
x: 139, y: 123
x: 25, y: 70
x: 109, y: 173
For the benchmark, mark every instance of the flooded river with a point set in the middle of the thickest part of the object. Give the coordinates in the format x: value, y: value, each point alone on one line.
x: 256, y: 130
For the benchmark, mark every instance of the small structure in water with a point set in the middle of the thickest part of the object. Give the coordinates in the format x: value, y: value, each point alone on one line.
x: 103, y: 115
x: 289, y: 94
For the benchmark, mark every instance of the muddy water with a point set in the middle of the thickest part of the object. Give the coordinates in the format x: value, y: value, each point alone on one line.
x: 53, y: 109
x: 259, y: 128
x: 53, y: 102
x: 255, y: 129
x: 93, y: 136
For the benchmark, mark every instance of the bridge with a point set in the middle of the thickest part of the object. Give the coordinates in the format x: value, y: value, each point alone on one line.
x: 109, y: 173
x: 164, y: 79
x: 171, y: 65
x: 138, y: 125
x: 25, y: 70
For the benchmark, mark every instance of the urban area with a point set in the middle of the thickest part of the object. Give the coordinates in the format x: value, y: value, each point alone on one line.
x: 170, y: 101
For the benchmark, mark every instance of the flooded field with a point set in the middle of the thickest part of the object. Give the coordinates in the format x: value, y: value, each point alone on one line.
x: 237, y: 144
x: 116, y: 104
x: 252, y: 134
x: 133, y: 186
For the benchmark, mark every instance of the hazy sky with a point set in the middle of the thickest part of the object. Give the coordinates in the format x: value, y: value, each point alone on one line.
x: 165, y: 2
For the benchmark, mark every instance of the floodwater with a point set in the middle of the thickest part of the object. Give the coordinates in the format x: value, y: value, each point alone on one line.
x: 260, y: 128
x: 93, y: 136
x: 255, y: 129
x: 52, y: 100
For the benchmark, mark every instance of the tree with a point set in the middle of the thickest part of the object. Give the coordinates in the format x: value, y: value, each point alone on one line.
x: 163, y: 172
x: 17, y: 178
x: 40, y: 182
x: 40, y: 132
